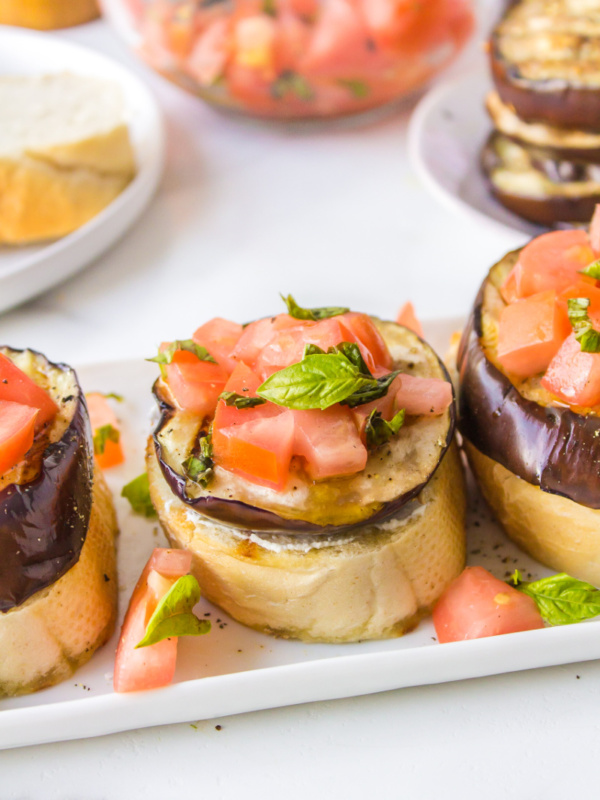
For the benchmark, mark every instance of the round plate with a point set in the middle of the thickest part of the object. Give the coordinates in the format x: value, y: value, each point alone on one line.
x: 28, y: 271
x: 447, y: 132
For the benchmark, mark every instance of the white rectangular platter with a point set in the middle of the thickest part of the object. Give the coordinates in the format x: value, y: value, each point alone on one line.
x: 235, y: 669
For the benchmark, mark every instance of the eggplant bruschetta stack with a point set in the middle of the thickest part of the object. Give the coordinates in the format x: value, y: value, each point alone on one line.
x: 529, y: 399
x: 543, y: 158
x: 58, y: 587
x: 307, y: 462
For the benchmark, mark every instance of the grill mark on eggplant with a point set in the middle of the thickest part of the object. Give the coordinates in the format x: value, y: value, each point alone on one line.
x: 548, y: 446
x: 44, y: 522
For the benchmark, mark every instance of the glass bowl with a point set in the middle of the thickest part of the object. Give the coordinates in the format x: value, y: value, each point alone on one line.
x: 296, y: 59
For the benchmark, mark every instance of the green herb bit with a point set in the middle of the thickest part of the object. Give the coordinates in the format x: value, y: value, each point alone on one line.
x: 593, y: 270
x: 113, y: 396
x: 173, y: 615
x: 352, y: 352
x: 358, y: 89
x: 200, y: 468
x: 107, y: 433
x: 312, y: 350
x: 379, y: 431
x: 314, y: 314
x: 269, y: 7
x: 318, y: 381
x: 585, y: 333
x: 240, y: 400
x: 167, y: 355
x: 291, y: 82
x: 561, y: 600
x: 376, y: 390
x: 137, y: 492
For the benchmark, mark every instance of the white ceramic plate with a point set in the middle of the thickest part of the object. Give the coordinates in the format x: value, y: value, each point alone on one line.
x: 235, y: 669
x: 28, y: 271
x: 447, y: 131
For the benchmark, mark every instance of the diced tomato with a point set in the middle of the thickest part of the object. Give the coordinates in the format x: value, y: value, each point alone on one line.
x: 582, y: 288
x: 329, y: 442
x: 361, y: 329
x: 259, y: 450
x: 245, y: 382
x: 386, y: 406
x: 408, y: 318
x: 574, y: 376
x: 287, y: 346
x: 101, y: 414
x: 531, y: 332
x: 153, y: 666
x: 195, y: 384
x: 18, y: 387
x: 427, y: 396
x: 220, y: 336
x: 476, y: 605
x: 254, y: 44
x: 258, y: 334
x: 292, y: 38
x: 211, y: 52
x: 17, y: 429
x: 551, y: 261
x: 595, y: 231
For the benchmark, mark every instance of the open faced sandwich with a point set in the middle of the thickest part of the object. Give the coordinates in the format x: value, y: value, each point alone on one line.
x: 543, y: 158
x: 58, y: 588
x: 529, y: 404
x: 306, y: 461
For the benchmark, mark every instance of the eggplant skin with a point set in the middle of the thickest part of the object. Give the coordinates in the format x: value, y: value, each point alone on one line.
x: 238, y: 514
x: 550, y: 447
x: 43, y: 523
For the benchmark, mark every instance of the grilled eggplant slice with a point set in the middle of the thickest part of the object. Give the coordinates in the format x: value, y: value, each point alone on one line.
x: 536, y: 461
x: 538, y: 184
x: 345, y: 559
x: 57, y: 544
x: 545, y: 60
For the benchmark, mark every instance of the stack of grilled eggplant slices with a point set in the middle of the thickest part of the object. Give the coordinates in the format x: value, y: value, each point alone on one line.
x: 353, y: 556
x: 58, y: 587
x: 543, y: 158
x: 529, y: 398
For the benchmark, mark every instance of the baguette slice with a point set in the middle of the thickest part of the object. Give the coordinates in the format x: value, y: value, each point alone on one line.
x: 65, y: 154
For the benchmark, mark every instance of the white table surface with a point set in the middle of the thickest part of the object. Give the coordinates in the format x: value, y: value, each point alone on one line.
x: 334, y: 215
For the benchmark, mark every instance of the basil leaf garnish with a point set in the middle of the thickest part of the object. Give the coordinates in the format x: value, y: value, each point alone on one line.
x: 291, y: 82
x: 173, y: 615
x: 240, y: 400
x: 314, y: 314
x: 593, y: 270
x: 318, y: 381
x: 585, y: 333
x: 561, y: 600
x: 352, y: 352
x: 378, y: 388
x: 312, y: 350
x: 200, y: 468
x: 167, y: 355
x: 379, y: 431
x: 137, y: 492
x: 107, y: 433
x: 358, y: 89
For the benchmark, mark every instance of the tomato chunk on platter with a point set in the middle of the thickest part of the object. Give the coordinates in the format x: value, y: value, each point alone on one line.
x: 329, y: 442
x: 361, y: 329
x: 153, y: 666
x: 101, y: 415
x: 220, y: 336
x: 426, y: 396
x: 18, y: 387
x: 408, y: 317
x: 574, y: 376
x: 531, y: 332
x: 195, y: 384
x: 477, y: 605
x: 17, y: 429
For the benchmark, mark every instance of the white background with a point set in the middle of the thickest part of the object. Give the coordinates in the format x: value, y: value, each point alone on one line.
x: 335, y: 215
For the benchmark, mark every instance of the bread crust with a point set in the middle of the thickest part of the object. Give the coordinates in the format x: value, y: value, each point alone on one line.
x: 377, y: 584
x: 45, y: 639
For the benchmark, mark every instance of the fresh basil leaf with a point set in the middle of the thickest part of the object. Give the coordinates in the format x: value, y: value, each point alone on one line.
x: 113, y: 396
x: 104, y: 434
x: 269, y: 7
x: 585, y: 333
x: 312, y: 350
x: 200, y: 468
x: 240, y: 400
x: 173, y: 615
x: 358, y: 89
x: 379, y: 431
x: 516, y: 579
x: 167, y: 355
x: 318, y: 381
x: 593, y: 270
x: 314, y: 314
x: 377, y: 389
x: 562, y: 600
x: 137, y: 492
x: 352, y: 352
x: 290, y: 82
